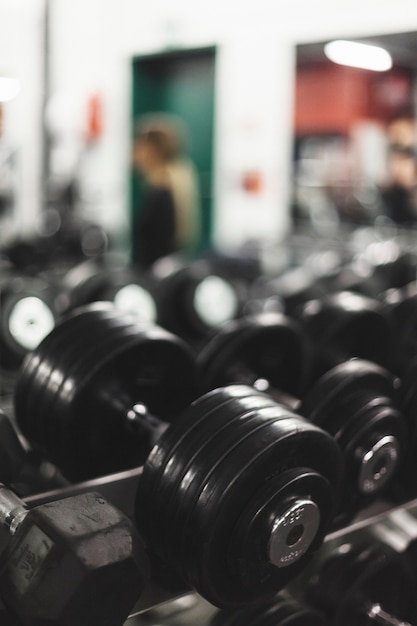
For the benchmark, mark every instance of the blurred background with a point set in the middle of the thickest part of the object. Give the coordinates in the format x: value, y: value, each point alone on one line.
x: 278, y: 133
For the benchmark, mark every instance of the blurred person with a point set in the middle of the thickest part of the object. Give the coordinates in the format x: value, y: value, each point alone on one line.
x: 168, y: 220
x: 399, y: 194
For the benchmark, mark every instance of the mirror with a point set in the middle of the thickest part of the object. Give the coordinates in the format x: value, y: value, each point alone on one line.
x: 354, y: 158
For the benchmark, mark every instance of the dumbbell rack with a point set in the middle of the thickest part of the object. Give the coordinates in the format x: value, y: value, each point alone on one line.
x: 120, y: 490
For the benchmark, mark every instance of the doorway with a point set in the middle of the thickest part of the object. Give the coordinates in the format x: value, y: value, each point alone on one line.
x: 181, y: 83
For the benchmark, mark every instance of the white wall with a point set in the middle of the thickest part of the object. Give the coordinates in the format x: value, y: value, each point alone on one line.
x: 21, y: 36
x: 93, y: 42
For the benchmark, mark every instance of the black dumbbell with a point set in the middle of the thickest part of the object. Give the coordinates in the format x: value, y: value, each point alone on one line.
x: 356, y: 401
x: 28, y: 255
x: 375, y: 268
x: 90, y: 396
x: 99, y: 375
x: 237, y: 494
x: 345, y: 325
x: 280, y: 611
x: 284, y: 293
x: 364, y: 583
x: 27, y: 315
x: 102, y: 281
x: 192, y: 299
x: 77, y: 560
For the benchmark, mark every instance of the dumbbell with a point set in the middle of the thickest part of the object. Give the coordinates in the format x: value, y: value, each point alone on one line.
x: 356, y: 401
x: 193, y: 300
x: 28, y: 255
x: 345, y: 324
x: 364, y: 583
x: 100, y: 280
x: 284, y: 293
x: 77, y: 560
x: 237, y: 494
x: 98, y: 377
x: 27, y: 315
x: 280, y: 611
x: 93, y: 395
x: 375, y: 268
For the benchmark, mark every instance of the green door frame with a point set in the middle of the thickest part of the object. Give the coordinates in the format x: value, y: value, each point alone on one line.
x: 143, y: 102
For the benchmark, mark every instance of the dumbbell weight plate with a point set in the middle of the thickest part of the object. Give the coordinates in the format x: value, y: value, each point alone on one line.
x: 296, y: 530
x: 340, y: 403
x: 85, y: 283
x: 215, y: 301
x: 137, y: 301
x: 214, y: 427
x: 191, y: 299
x: 268, y: 346
x: 179, y: 449
x: 44, y: 371
x: 236, y: 429
x: 27, y: 317
x: 331, y: 405
x: 101, y: 375
x: 208, y: 436
x: 221, y: 486
x: 30, y: 319
x: 38, y: 417
x: 228, y: 490
x: 63, y: 418
x: 90, y: 282
x: 345, y: 325
x: 44, y: 417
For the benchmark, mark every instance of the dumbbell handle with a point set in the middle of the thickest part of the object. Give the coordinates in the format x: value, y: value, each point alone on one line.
x: 243, y: 375
x: 12, y: 513
x: 377, y: 615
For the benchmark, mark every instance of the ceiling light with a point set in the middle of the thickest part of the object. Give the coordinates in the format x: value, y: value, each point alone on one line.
x: 360, y: 55
x: 9, y: 88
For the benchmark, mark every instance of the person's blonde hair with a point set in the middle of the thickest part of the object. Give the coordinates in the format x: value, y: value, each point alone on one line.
x: 166, y: 133
x: 168, y: 136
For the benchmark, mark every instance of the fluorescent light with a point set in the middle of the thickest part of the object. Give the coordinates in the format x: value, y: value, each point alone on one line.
x: 360, y: 55
x: 9, y: 88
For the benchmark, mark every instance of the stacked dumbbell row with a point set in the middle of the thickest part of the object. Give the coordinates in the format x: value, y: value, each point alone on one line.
x: 77, y: 370
x: 84, y: 405
x: 189, y: 299
x: 109, y: 381
x: 98, y: 359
